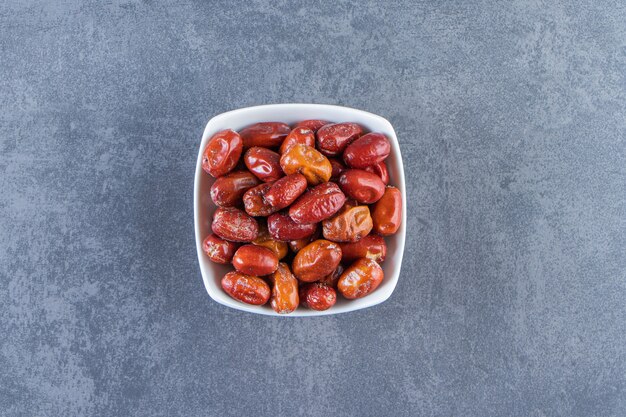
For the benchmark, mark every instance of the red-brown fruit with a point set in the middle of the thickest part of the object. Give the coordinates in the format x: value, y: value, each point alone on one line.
x: 387, y: 212
x: 266, y: 134
x: 282, y: 227
x: 222, y: 153
x: 299, y: 135
x: 371, y: 246
x: 219, y: 250
x: 367, y: 150
x: 254, y: 200
x: 246, y: 288
x: 318, y: 296
x: 363, y: 186
x: 360, y: 279
x: 286, y: 190
x: 235, y: 225
x: 255, y: 260
x: 320, y: 203
x: 227, y: 191
x: 332, y: 139
x: 263, y: 163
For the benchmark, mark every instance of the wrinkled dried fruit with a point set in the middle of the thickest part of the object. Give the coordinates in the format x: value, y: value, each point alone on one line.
x: 218, y: 250
x: 367, y: 150
x: 307, y: 161
x: 318, y: 296
x: 314, y: 125
x: 371, y: 246
x: 254, y: 201
x: 263, y: 163
x: 222, y: 153
x: 387, y: 212
x: 316, y: 260
x: 360, y: 278
x: 332, y: 139
x: 227, y: 191
x: 363, y: 186
x: 381, y: 170
x: 349, y: 225
x: 285, y: 297
x: 282, y: 227
x: 246, y: 288
x: 255, y: 260
x: 235, y: 225
x: 298, y: 193
x: 318, y: 204
x: 299, y: 135
x: 264, y: 239
x: 266, y: 134
x: 286, y: 190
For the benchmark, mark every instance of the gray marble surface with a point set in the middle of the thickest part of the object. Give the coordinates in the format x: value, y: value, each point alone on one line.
x: 512, y: 122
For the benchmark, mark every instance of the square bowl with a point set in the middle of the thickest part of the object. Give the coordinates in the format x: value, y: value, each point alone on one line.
x: 212, y: 273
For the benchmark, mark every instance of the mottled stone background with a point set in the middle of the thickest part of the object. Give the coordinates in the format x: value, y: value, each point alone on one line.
x: 512, y: 123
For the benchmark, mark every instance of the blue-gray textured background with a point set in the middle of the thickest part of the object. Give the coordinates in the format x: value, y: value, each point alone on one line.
x: 512, y: 122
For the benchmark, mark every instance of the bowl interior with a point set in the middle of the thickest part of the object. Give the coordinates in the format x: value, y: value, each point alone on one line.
x: 291, y: 113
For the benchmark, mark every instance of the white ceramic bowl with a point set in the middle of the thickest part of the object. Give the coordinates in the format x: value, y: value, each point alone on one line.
x: 290, y: 113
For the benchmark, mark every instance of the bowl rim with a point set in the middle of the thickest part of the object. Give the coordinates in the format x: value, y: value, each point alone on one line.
x: 398, y: 182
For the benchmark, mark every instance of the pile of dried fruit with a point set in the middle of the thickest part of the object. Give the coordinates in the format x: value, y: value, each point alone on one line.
x: 291, y: 186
